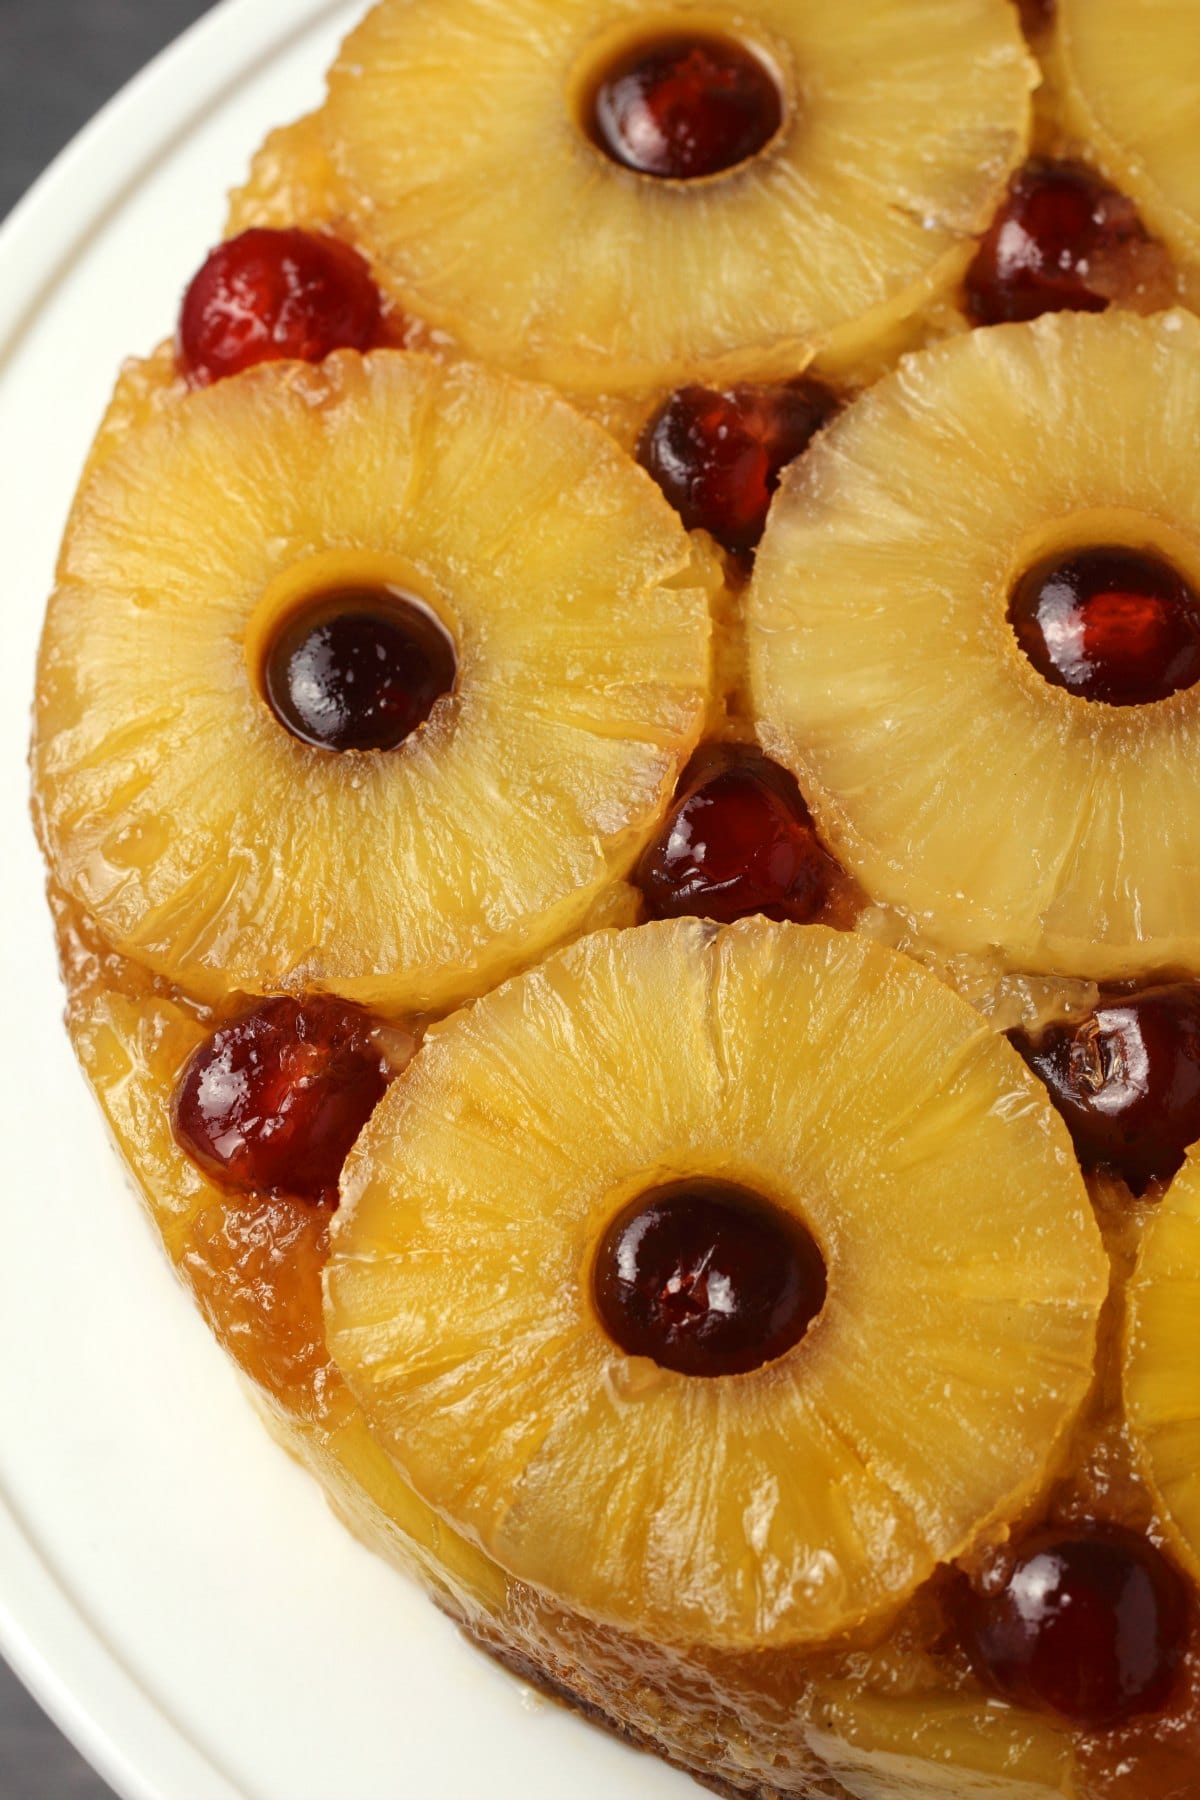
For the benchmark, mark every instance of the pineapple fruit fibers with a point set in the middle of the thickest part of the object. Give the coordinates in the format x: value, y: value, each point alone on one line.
x: 410, y: 881
x: 786, y: 1572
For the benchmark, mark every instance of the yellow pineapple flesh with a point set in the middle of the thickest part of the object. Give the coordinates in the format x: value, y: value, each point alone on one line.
x: 1162, y: 1378
x: 765, y: 1716
x: 890, y: 1723
x: 861, y: 1715
x: 1131, y: 93
x: 849, y: 1089
x: 290, y: 183
x: 133, y: 1047
x: 454, y: 129
x: 222, y: 851
x: 933, y: 1743
x: 999, y: 813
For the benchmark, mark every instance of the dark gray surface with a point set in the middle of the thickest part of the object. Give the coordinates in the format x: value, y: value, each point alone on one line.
x: 59, y: 61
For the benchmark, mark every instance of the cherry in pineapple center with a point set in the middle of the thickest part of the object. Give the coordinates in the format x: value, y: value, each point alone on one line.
x: 683, y: 105
x: 358, y: 670
x: 1109, y: 623
x: 707, y: 1278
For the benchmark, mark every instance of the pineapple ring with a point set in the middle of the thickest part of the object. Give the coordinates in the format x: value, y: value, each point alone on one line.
x: 170, y: 798
x: 903, y: 125
x: 929, y: 1400
x: 956, y: 783
x: 1162, y: 1379
x: 1132, y: 92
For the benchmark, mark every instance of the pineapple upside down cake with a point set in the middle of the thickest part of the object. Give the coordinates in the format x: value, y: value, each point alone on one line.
x: 618, y: 748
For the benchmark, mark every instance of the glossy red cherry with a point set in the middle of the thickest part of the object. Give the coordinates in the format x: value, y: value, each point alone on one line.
x: 707, y: 1279
x: 738, y: 840
x: 718, y: 456
x: 1109, y: 624
x: 684, y: 105
x: 358, y: 670
x: 267, y: 295
x: 1127, y: 1080
x: 1041, y: 253
x: 1090, y: 1624
x: 272, y: 1103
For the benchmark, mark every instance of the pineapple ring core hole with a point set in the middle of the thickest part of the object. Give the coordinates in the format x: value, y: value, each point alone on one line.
x: 351, y: 652
x: 707, y: 1278
x: 1105, y: 605
x: 619, y: 50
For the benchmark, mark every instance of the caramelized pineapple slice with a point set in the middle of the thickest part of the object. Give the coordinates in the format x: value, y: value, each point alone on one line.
x: 866, y: 1106
x: 461, y: 134
x: 1162, y: 1376
x: 1131, y: 90
x: 938, y: 1745
x: 217, y: 847
x: 956, y: 780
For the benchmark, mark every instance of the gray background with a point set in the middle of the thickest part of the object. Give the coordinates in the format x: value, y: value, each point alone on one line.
x: 59, y: 61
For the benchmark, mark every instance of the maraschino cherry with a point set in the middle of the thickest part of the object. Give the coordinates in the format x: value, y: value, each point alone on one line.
x: 684, y: 105
x: 1127, y: 1080
x: 1059, y: 224
x: 271, y: 1103
x: 718, y: 454
x: 738, y: 840
x: 1109, y: 623
x: 707, y: 1279
x: 269, y: 295
x: 358, y: 671
x: 1091, y: 1624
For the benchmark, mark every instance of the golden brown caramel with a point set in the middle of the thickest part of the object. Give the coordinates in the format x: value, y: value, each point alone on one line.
x: 254, y: 1265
